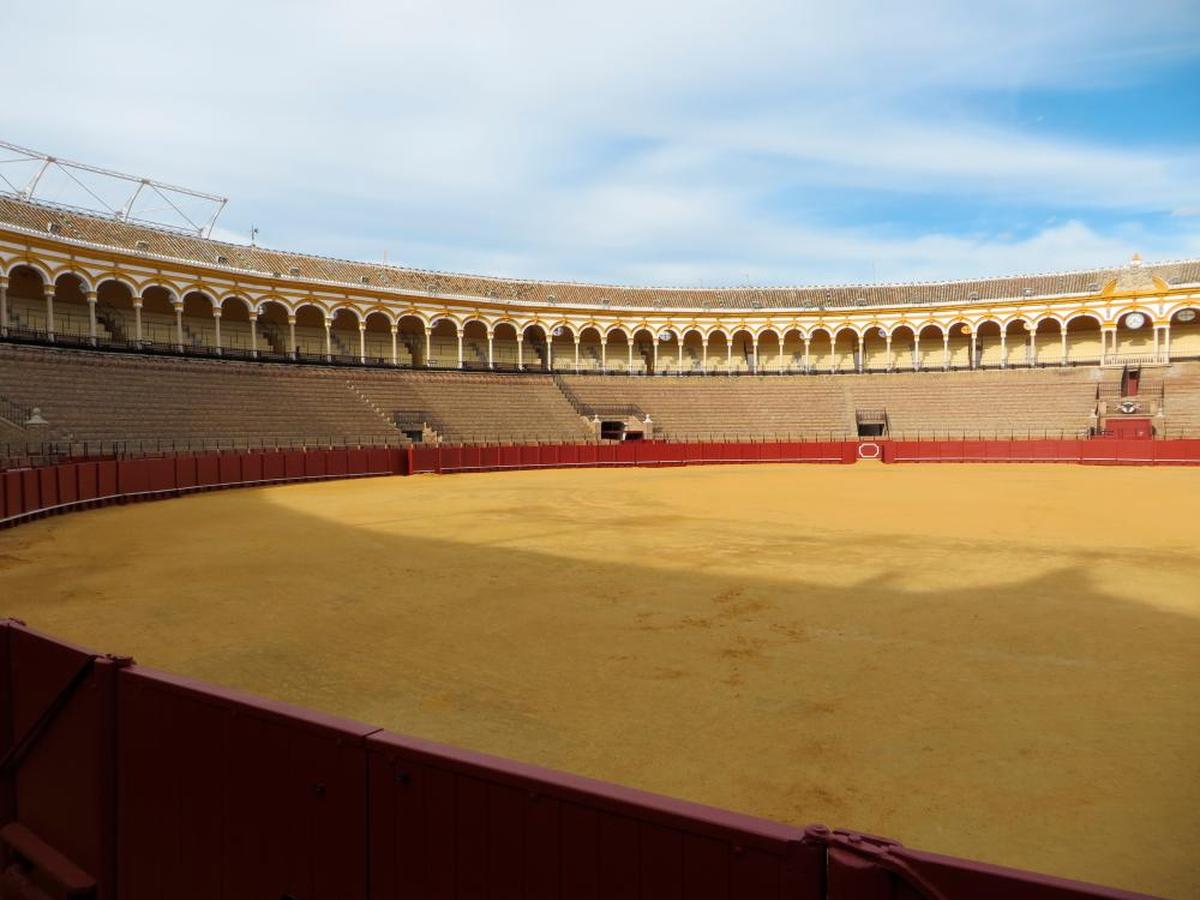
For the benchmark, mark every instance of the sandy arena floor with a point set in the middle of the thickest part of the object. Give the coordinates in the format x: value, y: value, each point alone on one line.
x: 1000, y: 662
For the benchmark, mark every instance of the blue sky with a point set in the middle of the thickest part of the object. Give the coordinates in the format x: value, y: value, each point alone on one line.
x: 715, y: 143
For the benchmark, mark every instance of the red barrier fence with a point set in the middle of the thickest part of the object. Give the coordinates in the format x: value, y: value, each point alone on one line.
x: 1108, y: 451
x: 28, y: 493
x: 122, y: 782
x: 445, y: 460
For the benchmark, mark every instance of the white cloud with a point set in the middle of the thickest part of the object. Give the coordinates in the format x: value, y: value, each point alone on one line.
x: 622, y: 141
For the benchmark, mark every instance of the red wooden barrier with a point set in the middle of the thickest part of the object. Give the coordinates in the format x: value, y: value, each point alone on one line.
x: 172, y: 788
x: 208, y: 470
x: 451, y: 823
x: 223, y: 795
x: 48, y: 487
x: 30, y: 495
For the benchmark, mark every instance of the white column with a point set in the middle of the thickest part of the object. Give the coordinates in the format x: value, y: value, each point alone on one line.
x: 629, y: 346
x: 654, y: 355
x: 460, y: 356
x: 549, y: 352
x: 728, y: 353
x: 179, y: 326
x: 782, y: 355
x: 972, y: 360
x: 254, y: 334
x: 1032, y: 361
x: 1063, y: 333
x: 890, y: 362
x: 428, y: 345
x: 328, y: 339
x: 292, y: 337
x: 807, y: 344
x: 91, y: 302
x: 576, y: 354
x: 1104, y: 335
x: 703, y: 353
x: 1166, y: 342
x: 3, y: 307
x: 916, y: 353
x: 362, y: 342
x: 1156, y: 343
x: 945, y: 351
x: 754, y: 354
x: 862, y: 352
x: 49, y: 289
x: 217, y: 327
x: 395, y: 355
x: 1004, y: 347
x: 491, y: 362
x: 520, y: 351
x: 137, y: 319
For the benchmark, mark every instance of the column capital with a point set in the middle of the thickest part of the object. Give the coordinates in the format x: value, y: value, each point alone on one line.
x: 91, y: 296
x: 49, y: 289
x: 216, y: 312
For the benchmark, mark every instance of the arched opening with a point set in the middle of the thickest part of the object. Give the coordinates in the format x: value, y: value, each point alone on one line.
x: 1016, y: 343
x: 875, y: 355
x: 114, y: 312
x: 692, y: 352
x: 1134, y: 337
x: 1184, y: 335
x: 617, y: 351
x: 475, y: 345
x: 504, y: 346
x: 644, y: 348
x: 590, y: 349
x: 960, y: 346
x: 742, y: 357
x: 310, y: 332
x: 987, y: 345
x: 377, y: 338
x: 1084, y: 339
x: 931, y: 348
x: 197, y: 324
x: 235, y: 327
x: 1048, y: 343
x: 793, y: 350
x: 72, y: 320
x: 274, y: 333
x: 562, y: 348
x: 904, y: 353
x: 770, y: 352
x: 669, y: 352
x: 343, y: 335
x: 26, y: 306
x: 820, y: 351
x: 410, y: 341
x: 158, y: 317
x: 536, y: 353
x: 718, y: 352
x: 845, y: 350
x: 443, y: 344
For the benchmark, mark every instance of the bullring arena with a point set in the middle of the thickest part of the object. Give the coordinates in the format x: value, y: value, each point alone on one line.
x: 737, y: 547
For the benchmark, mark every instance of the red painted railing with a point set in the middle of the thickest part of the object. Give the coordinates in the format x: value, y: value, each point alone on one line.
x: 32, y: 492
x: 123, y: 782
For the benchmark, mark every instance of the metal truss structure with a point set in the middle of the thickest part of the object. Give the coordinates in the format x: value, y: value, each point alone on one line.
x: 106, y: 192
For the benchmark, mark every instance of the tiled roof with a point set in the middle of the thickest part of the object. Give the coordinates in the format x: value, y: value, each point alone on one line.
x: 286, y: 266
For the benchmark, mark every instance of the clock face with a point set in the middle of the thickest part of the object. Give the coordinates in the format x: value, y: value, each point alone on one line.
x: 1186, y: 315
x: 1135, y: 320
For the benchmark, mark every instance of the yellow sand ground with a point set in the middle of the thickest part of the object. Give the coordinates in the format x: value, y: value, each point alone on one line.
x: 1000, y: 662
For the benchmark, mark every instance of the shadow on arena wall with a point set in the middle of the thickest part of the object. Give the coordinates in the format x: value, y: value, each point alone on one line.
x: 1065, y: 750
